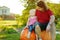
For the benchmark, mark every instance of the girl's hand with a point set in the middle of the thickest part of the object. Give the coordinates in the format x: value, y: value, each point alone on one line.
x: 48, y: 27
x: 25, y: 27
x: 22, y: 32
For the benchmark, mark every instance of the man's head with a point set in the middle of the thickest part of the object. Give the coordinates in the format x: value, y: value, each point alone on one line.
x: 42, y: 5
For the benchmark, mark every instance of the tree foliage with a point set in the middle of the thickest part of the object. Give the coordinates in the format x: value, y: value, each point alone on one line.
x: 31, y: 4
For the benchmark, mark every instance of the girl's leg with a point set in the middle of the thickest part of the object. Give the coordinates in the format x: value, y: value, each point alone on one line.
x: 30, y: 30
x: 28, y: 35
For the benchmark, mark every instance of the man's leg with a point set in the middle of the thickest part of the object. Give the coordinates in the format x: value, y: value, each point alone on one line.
x: 53, y: 31
x: 38, y: 31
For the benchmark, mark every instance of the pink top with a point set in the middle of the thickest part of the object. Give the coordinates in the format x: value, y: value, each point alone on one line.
x: 32, y: 20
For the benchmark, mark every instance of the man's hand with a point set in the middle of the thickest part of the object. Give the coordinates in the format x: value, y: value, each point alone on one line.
x: 48, y: 27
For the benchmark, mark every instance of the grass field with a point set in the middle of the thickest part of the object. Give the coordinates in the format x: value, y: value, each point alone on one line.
x: 16, y: 36
x: 13, y: 36
x: 58, y: 37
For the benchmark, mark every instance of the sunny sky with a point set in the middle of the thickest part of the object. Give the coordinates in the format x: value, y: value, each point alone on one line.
x: 16, y: 6
x: 55, y: 1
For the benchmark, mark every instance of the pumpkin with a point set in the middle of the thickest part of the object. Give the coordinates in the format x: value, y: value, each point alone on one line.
x: 44, y: 35
x: 24, y: 35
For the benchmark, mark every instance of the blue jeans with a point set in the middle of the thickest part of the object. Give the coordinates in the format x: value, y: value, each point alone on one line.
x: 31, y: 27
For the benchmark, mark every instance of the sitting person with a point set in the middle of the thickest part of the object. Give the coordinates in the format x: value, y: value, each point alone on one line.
x: 31, y: 21
x: 45, y: 17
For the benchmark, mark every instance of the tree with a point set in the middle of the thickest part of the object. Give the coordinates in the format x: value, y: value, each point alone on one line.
x: 29, y: 4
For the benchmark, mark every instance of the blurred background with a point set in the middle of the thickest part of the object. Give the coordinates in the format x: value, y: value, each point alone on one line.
x: 14, y: 15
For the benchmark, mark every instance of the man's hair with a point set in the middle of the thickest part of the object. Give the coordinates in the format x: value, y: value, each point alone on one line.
x: 42, y: 5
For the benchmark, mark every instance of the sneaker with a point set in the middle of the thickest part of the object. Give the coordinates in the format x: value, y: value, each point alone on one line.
x: 40, y: 39
x: 28, y: 36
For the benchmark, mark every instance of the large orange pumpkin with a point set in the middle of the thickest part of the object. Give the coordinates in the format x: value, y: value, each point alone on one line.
x: 44, y: 35
x: 23, y: 36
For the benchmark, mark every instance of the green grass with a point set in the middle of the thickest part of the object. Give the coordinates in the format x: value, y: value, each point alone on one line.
x: 10, y: 34
x: 58, y: 37
x: 13, y: 36
x: 16, y: 36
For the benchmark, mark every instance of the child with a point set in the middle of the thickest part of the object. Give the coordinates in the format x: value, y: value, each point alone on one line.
x: 31, y: 21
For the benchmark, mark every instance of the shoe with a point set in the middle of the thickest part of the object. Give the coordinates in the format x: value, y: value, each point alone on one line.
x: 40, y: 39
x: 28, y: 36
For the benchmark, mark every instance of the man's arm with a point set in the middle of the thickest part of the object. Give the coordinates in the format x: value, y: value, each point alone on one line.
x: 52, y: 19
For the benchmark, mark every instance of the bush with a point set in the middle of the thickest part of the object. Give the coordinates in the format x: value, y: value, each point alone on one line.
x: 10, y: 30
x: 58, y: 24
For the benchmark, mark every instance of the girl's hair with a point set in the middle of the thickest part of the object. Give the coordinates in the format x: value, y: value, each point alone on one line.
x: 32, y: 11
x: 42, y: 5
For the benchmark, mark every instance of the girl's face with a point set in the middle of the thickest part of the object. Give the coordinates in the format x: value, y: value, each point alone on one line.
x: 32, y: 14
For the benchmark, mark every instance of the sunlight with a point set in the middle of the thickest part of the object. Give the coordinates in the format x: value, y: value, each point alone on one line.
x: 16, y: 6
x: 54, y: 1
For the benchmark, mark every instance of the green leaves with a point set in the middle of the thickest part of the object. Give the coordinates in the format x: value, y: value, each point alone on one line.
x: 31, y: 4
